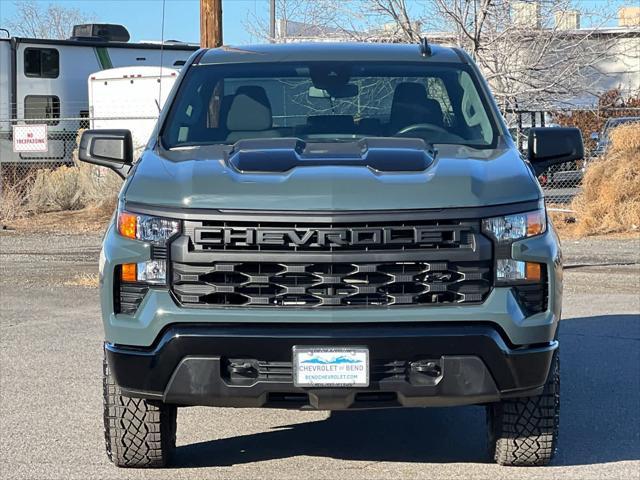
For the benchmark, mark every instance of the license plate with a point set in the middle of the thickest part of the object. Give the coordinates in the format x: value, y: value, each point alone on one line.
x: 331, y: 366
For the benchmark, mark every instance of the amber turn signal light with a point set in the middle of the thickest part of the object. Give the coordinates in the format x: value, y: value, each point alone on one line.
x: 127, y: 225
x: 533, y: 272
x: 128, y: 272
x: 535, y: 225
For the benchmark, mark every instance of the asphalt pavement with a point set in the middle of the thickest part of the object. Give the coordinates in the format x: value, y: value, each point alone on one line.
x: 51, y: 389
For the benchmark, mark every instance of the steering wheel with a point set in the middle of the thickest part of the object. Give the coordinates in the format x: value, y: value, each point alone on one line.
x: 428, y: 127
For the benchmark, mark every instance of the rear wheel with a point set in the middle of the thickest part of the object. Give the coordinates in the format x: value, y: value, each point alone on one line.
x: 138, y: 432
x: 524, y: 431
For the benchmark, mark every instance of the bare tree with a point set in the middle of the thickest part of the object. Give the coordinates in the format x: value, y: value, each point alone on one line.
x: 402, y: 26
x: 33, y: 19
x: 299, y: 19
x: 529, y: 55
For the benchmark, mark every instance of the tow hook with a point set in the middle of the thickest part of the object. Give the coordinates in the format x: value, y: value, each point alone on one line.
x: 427, y: 367
x: 244, y: 368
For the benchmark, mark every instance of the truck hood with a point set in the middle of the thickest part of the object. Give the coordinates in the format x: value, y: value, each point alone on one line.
x: 203, y: 177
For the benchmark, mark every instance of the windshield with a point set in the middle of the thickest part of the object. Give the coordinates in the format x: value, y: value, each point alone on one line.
x: 325, y: 102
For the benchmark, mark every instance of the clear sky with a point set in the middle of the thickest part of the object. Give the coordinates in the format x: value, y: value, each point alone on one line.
x: 143, y: 17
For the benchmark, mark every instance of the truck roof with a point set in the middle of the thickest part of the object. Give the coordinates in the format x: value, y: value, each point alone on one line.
x: 319, y: 51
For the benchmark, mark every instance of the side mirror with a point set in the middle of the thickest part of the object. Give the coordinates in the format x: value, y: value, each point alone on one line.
x: 550, y: 146
x: 107, y: 148
x: 595, y: 136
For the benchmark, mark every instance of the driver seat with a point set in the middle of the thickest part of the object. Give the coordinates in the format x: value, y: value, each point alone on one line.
x: 249, y: 114
x: 410, y: 106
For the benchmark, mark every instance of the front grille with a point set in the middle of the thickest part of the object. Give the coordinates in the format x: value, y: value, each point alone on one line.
x: 323, y: 261
x: 331, y: 284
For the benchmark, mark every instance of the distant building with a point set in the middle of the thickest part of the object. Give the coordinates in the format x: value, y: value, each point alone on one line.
x: 291, y: 31
x: 568, y: 20
x: 629, y: 17
x: 526, y: 14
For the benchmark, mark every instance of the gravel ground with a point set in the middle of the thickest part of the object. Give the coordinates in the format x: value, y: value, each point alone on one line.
x: 51, y: 407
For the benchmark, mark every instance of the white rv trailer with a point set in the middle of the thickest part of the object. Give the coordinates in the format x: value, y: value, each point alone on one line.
x: 44, y: 81
x: 129, y: 97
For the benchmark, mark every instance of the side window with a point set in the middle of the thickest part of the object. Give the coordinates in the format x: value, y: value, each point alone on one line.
x: 38, y: 108
x: 473, y: 111
x: 41, y: 62
x: 189, y: 112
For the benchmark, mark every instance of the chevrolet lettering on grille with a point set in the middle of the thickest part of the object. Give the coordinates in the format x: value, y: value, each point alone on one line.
x: 329, y: 237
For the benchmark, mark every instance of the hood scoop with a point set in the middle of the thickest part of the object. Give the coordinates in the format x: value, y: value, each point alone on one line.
x: 281, y: 155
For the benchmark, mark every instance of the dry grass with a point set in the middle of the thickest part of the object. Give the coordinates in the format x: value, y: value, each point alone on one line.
x: 87, y: 280
x: 88, y: 189
x: 93, y: 219
x: 564, y: 222
x: 73, y: 199
x: 610, y: 198
x: 12, y: 200
x: 71, y: 188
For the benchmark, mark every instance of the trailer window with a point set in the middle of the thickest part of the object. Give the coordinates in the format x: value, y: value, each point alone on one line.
x: 41, y: 62
x: 42, y: 108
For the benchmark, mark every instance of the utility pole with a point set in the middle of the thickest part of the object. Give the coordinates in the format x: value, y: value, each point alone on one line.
x: 272, y: 21
x: 210, y: 23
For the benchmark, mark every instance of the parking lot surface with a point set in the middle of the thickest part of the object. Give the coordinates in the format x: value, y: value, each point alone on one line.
x: 51, y: 388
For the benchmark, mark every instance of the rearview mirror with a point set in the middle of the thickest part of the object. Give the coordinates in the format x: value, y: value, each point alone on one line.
x: 107, y: 148
x: 348, y: 90
x: 550, y: 146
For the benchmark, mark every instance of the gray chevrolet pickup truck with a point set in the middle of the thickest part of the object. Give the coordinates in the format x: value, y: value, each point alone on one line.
x: 330, y: 226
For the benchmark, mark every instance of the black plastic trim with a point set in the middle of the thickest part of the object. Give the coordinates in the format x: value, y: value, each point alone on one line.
x: 14, y: 78
x: 187, y: 364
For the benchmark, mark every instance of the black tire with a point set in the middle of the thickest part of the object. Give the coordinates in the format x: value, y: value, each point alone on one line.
x: 524, y: 431
x: 138, y: 433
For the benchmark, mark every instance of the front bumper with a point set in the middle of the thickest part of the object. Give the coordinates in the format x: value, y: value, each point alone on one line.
x: 196, y: 365
x: 159, y: 310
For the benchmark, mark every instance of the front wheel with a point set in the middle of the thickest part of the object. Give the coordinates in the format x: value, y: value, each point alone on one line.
x: 138, y: 432
x: 524, y: 431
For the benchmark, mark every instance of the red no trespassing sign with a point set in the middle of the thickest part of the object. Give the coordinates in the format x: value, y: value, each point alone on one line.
x: 30, y: 138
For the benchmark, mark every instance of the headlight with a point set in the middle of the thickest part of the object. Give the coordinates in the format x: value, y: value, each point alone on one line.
x: 509, y: 228
x: 147, y: 228
x: 151, y: 271
x: 509, y: 270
